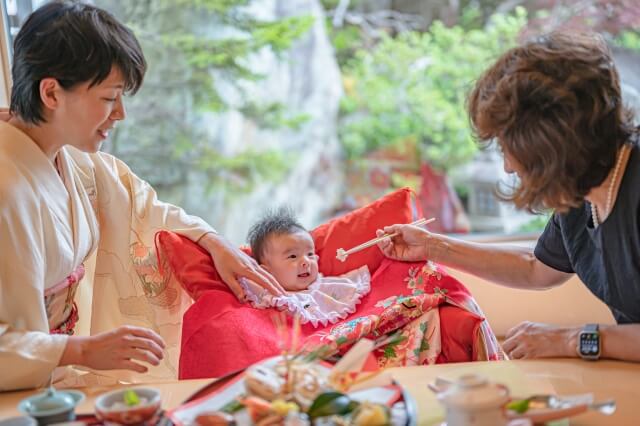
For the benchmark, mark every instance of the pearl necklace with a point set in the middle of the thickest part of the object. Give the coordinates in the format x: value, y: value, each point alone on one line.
x: 612, y: 184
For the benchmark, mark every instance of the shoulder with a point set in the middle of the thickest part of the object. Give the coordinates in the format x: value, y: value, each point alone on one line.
x: 16, y: 181
x: 16, y: 189
x: 575, y: 217
x: 98, y: 163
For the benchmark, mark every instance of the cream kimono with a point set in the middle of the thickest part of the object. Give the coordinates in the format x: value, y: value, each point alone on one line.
x: 95, y: 216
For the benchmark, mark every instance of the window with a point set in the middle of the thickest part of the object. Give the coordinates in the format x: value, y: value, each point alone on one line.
x: 248, y: 107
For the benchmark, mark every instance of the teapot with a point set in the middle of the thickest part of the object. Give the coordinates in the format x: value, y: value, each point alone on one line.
x: 473, y: 400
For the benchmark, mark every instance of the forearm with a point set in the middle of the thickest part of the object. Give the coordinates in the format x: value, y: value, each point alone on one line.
x: 620, y: 342
x: 210, y: 241
x: 28, y: 358
x: 510, y: 266
x: 74, y: 351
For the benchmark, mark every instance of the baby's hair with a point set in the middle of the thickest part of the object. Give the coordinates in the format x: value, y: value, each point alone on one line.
x: 275, y: 222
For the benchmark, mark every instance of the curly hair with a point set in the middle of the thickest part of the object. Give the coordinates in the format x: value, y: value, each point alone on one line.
x: 553, y: 105
x: 275, y: 222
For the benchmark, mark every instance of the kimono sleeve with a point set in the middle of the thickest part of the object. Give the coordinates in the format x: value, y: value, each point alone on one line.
x: 145, y: 206
x: 28, y: 353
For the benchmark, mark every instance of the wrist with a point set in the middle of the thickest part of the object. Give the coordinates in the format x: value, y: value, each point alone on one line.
x: 75, y: 350
x: 589, y: 342
x: 571, y: 338
x: 210, y: 241
x: 435, y: 247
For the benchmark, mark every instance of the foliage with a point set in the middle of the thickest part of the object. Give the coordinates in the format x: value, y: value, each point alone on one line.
x: 199, y: 52
x: 414, y: 86
x: 536, y: 224
x: 628, y: 40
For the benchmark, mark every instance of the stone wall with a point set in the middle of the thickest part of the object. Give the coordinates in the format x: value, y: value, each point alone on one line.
x: 307, y: 80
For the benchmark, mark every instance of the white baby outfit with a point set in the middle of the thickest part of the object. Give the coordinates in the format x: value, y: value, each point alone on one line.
x: 326, y: 300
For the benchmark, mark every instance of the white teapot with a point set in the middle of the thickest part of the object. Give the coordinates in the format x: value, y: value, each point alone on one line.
x: 474, y: 401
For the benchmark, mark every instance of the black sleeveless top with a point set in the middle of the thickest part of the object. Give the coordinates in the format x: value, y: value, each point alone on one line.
x: 607, y: 258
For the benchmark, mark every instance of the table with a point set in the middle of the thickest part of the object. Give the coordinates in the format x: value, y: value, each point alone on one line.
x: 606, y: 379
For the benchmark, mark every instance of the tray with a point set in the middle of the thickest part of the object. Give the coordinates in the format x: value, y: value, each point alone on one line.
x: 215, y: 395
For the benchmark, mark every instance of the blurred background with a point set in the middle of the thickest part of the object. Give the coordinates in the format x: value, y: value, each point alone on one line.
x: 328, y: 105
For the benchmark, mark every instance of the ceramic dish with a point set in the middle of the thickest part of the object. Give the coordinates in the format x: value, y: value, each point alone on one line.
x: 219, y: 394
x: 52, y: 406
x: 110, y: 407
x: 19, y: 421
x: 546, y: 408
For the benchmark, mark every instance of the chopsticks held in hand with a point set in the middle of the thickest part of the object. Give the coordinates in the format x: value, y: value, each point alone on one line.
x: 342, y: 254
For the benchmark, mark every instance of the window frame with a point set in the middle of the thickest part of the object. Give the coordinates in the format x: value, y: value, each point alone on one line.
x: 5, y: 58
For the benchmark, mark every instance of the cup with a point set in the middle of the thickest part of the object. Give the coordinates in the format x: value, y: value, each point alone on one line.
x: 52, y: 406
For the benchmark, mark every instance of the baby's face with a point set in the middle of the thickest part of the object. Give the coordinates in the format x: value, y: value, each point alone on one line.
x: 292, y: 260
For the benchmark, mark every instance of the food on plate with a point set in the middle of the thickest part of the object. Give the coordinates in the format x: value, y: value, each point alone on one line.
x: 368, y: 414
x: 330, y: 403
x: 295, y: 381
x: 215, y: 418
x: 130, y: 399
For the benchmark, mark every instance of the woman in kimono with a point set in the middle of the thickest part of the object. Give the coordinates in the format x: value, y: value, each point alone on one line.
x: 79, y: 282
x: 555, y: 109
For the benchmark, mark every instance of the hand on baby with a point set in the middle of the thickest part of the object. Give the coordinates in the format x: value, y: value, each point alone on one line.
x: 409, y: 245
x: 232, y: 263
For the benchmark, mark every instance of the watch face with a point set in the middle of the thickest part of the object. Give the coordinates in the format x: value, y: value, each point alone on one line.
x: 589, y: 344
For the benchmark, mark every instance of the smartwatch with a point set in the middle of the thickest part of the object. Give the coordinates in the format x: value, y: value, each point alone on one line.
x: 589, y: 342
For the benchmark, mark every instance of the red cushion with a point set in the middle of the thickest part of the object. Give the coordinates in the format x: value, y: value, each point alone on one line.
x: 191, y: 264
x: 217, y: 320
x: 194, y: 268
x: 359, y: 226
x: 458, y: 329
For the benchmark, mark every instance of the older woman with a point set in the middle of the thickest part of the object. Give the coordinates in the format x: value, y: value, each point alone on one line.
x: 68, y: 211
x: 554, y: 108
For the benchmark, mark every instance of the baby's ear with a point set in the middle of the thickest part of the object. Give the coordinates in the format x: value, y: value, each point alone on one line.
x: 265, y: 267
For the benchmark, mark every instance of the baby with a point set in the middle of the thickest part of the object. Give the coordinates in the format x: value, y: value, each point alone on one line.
x: 284, y: 248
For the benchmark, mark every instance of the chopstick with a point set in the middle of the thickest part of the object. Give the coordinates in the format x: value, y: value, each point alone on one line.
x: 343, y: 254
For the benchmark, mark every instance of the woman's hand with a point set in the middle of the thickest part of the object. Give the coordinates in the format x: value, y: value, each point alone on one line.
x: 536, y: 340
x: 409, y: 245
x: 232, y: 263
x: 122, y: 348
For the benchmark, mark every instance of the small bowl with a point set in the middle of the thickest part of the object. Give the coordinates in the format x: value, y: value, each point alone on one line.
x: 108, y: 409
x: 52, y: 406
x: 19, y: 421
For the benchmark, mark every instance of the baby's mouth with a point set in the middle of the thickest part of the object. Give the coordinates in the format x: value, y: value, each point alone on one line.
x: 304, y: 275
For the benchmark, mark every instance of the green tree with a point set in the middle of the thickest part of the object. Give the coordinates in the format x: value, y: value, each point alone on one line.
x: 413, y: 88
x: 198, y: 53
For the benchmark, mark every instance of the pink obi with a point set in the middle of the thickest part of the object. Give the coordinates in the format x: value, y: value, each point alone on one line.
x: 59, y: 302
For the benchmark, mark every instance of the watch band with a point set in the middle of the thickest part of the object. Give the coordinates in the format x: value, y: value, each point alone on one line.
x: 591, y: 328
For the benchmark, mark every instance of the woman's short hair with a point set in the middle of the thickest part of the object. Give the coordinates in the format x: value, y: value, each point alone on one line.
x: 553, y: 105
x: 74, y: 43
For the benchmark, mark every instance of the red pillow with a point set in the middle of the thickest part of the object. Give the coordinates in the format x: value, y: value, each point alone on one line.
x: 359, y: 226
x: 194, y: 268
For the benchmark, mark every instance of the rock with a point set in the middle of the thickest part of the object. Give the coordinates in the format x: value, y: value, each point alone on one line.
x: 308, y: 82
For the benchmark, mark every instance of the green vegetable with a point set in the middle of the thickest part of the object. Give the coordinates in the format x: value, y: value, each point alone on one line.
x: 519, y: 405
x: 232, y: 406
x: 131, y: 398
x: 331, y: 403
